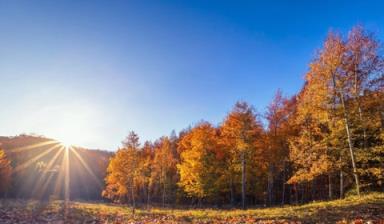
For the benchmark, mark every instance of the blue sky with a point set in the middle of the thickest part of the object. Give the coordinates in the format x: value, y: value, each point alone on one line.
x: 88, y: 72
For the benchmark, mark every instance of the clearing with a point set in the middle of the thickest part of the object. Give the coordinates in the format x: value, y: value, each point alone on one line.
x: 366, y: 209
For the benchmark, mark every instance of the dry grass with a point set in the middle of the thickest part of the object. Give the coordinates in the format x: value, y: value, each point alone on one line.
x: 369, y: 207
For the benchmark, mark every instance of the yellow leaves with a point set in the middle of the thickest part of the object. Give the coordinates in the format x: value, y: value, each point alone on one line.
x: 123, y: 168
x: 199, y: 160
x: 164, y: 159
x: 5, y: 172
x: 316, y: 112
x: 312, y: 126
x: 300, y: 176
x: 241, y: 128
x: 376, y: 171
x: 321, y: 166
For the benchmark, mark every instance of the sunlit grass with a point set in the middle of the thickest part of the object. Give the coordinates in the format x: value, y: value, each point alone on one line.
x: 299, y: 211
x: 368, y: 207
x: 348, y: 208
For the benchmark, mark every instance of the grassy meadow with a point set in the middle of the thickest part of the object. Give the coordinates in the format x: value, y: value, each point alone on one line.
x: 366, y: 209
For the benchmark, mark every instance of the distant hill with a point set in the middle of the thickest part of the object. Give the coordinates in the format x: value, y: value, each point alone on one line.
x: 40, y: 168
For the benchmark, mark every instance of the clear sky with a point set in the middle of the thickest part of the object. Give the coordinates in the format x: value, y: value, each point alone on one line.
x: 88, y: 72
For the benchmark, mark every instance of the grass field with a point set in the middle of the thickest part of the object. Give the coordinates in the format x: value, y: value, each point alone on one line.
x: 366, y: 209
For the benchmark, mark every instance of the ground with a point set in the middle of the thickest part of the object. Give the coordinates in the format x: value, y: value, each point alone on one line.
x: 366, y: 209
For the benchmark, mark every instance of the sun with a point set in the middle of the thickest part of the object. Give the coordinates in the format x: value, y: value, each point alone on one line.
x: 66, y: 144
x: 72, y: 124
x: 68, y: 138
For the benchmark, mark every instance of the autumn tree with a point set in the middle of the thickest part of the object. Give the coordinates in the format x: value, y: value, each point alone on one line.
x: 309, y: 148
x: 331, y: 132
x: 240, y: 132
x: 123, y: 171
x: 363, y: 66
x: 164, y: 168
x: 280, y: 127
x: 202, y: 162
x: 321, y: 112
x: 145, y: 166
x: 331, y: 107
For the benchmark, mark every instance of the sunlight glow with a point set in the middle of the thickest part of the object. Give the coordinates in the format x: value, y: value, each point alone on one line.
x: 34, y: 159
x: 68, y: 122
x: 87, y: 168
x: 66, y: 144
x: 58, y: 174
x: 49, y: 169
x: 37, y: 145
x: 66, y: 177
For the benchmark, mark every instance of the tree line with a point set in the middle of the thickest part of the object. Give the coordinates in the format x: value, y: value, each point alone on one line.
x: 322, y: 143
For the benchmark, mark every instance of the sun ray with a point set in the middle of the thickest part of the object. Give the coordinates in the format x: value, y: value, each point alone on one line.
x: 33, y: 146
x: 34, y: 159
x: 66, y: 177
x: 38, y: 185
x: 85, y: 165
x: 59, y: 180
x: 44, y: 186
x: 66, y: 182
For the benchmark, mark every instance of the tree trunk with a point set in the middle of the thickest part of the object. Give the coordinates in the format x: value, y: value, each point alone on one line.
x: 330, y: 186
x: 341, y: 184
x: 363, y: 126
x: 243, y: 179
x: 283, y: 191
x: 164, y: 193
x: 270, y: 184
x: 313, y: 190
x: 232, y: 191
x: 302, y: 191
x: 347, y: 129
x: 133, y: 197
x: 346, y: 120
x: 357, y: 100
x: 148, y: 196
